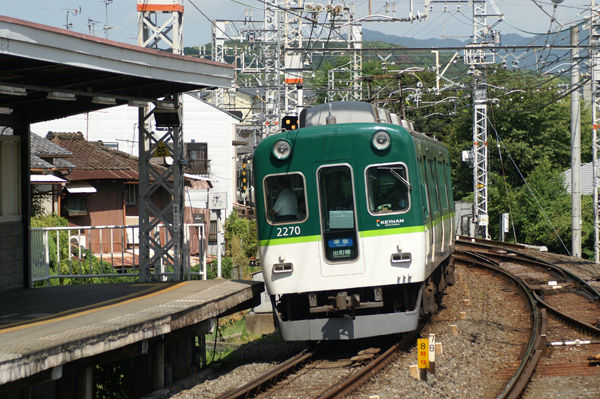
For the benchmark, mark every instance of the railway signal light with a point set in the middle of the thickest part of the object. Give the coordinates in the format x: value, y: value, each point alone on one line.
x: 244, y: 177
x: 289, y: 122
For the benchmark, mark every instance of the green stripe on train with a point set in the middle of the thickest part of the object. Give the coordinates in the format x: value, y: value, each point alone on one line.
x: 289, y: 240
x: 388, y: 232
x: 365, y: 233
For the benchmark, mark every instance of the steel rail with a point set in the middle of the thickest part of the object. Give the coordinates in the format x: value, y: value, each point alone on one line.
x: 582, y: 284
x: 537, y: 340
x: 358, y: 378
x: 271, y: 376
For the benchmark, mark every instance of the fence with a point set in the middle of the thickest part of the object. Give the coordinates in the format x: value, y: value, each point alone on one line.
x: 92, y: 252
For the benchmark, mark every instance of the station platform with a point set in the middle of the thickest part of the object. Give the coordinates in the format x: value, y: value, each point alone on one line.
x: 42, y: 329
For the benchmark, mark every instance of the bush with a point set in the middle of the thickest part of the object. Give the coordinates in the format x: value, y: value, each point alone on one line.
x: 226, y: 268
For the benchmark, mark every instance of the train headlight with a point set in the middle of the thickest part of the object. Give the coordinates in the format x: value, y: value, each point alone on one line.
x: 381, y: 140
x: 282, y: 149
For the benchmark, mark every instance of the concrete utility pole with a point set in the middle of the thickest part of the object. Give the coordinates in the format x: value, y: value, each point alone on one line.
x: 575, y: 147
x: 595, y: 67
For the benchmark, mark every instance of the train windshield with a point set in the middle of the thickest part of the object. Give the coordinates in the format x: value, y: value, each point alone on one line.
x: 337, y: 213
x: 388, y: 188
x: 285, y: 199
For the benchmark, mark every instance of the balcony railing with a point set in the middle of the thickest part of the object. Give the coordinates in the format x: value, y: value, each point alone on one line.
x: 101, y: 252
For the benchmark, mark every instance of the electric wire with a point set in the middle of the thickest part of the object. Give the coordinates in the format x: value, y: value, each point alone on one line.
x: 529, y: 189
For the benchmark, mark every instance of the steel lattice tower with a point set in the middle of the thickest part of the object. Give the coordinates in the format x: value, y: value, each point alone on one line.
x: 595, y: 68
x: 272, y: 67
x: 164, y: 254
x: 279, y: 60
x: 293, y: 60
x: 483, y: 38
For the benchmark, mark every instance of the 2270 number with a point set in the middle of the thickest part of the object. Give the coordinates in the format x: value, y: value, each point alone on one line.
x: 288, y: 231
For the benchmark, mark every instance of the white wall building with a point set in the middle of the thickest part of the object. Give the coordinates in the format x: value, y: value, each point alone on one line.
x: 202, y: 123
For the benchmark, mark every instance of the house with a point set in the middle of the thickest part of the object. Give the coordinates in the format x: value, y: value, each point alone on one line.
x: 49, y: 165
x: 102, y: 189
x: 209, y: 136
x: 38, y: 64
x: 586, y: 179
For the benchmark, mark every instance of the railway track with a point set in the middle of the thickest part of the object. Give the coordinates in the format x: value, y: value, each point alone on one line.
x: 323, y: 372
x: 493, y: 345
x: 565, y: 329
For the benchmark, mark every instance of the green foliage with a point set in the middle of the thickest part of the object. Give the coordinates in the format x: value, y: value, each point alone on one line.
x: 544, y: 187
x: 241, y: 241
x: 111, y: 380
x: 48, y: 221
x: 63, y: 242
x: 37, y: 201
x: 226, y: 268
x: 88, y: 264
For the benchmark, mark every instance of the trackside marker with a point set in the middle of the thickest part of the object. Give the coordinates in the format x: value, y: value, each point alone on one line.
x: 423, y: 357
x: 432, y: 353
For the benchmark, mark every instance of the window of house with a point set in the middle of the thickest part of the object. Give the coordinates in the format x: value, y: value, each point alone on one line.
x: 212, y: 232
x: 131, y: 194
x: 196, y: 155
x: 10, y: 178
x: 76, y: 205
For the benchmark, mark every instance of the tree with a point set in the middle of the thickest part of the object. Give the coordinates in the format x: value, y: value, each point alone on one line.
x: 241, y: 242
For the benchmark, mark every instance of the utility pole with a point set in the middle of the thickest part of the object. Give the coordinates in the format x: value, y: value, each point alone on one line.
x: 484, y: 38
x: 595, y: 67
x: 575, y: 147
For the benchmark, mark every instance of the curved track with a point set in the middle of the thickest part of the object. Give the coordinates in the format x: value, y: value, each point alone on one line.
x: 550, y: 288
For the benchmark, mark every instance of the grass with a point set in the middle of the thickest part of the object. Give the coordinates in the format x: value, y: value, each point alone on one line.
x: 231, y: 330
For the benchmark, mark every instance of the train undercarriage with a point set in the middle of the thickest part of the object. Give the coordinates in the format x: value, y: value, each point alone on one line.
x: 359, y: 312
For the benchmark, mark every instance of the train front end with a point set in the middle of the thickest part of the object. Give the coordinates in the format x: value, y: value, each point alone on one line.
x: 341, y: 230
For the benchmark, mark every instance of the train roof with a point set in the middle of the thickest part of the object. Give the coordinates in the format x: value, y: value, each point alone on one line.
x: 348, y: 112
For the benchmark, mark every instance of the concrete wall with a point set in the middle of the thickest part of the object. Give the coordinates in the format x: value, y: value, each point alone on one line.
x: 11, y: 255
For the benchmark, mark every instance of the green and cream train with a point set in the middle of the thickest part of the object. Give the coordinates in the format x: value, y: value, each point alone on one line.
x: 355, y: 223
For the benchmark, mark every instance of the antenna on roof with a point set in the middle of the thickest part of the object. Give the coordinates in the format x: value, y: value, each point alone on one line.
x: 106, y: 28
x: 92, y: 25
x: 72, y: 11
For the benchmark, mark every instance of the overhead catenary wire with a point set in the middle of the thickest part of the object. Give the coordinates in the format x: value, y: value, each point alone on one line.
x: 529, y: 189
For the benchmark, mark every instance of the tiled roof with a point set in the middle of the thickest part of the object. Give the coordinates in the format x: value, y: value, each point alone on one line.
x: 39, y: 163
x: 92, y: 160
x: 62, y: 163
x: 42, y: 148
x: 45, y: 148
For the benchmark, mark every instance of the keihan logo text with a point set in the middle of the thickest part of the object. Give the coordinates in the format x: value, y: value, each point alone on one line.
x: 389, y: 222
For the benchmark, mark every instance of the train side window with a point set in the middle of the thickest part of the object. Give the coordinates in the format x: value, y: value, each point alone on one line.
x: 388, y: 188
x: 285, y: 198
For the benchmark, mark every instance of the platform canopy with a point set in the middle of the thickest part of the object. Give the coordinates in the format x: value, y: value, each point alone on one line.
x: 48, y: 73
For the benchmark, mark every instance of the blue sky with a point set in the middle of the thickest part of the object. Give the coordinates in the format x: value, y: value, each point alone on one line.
x: 521, y: 16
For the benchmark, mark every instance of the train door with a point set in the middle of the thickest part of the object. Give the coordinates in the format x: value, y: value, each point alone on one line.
x: 443, y: 199
x: 433, y: 207
x: 436, y: 206
x: 339, y: 237
x: 428, y: 217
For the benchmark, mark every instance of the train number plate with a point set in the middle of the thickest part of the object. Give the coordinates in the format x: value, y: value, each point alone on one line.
x: 288, y: 231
